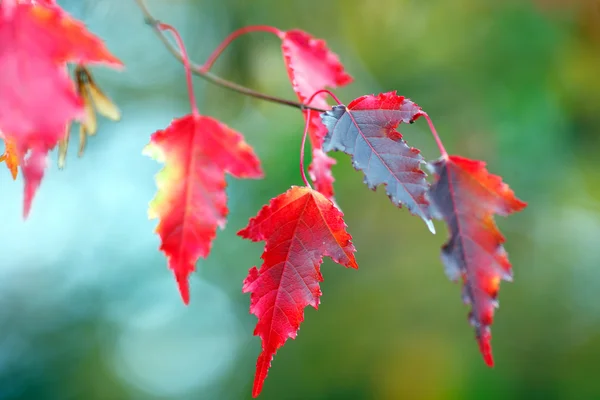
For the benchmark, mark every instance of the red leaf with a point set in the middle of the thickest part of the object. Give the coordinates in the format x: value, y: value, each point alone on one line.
x: 38, y: 98
x: 311, y: 67
x: 467, y: 196
x: 299, y: 228
x: 191, y: 201
x: 366, y: 130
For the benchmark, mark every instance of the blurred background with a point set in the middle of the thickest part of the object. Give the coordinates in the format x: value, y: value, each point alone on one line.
x: 89, y: 309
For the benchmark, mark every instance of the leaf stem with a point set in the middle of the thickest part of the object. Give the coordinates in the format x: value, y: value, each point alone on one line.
x: 306, y: 126
x: 304, y: 135
x: 234, y: 35
x: 197, y: 70
x: 186, y: 63
x: 333, y: 96
x: 438, y: 141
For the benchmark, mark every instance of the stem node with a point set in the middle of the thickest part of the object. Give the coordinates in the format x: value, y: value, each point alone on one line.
x: 151, y: 21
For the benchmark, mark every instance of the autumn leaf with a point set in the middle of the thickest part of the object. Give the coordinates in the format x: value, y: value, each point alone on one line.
x: 466, y: 196
x: 366, y: 130
x: 311, y: 67
x: 38, y: 98
x: 191, y: 201
x: 299, y: 228
x: 40, y: 64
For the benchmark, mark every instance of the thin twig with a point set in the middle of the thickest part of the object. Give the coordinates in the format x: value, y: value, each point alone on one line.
x: 186, y: 59
x: 234, y: 35
x: 438, y: 141
x: 305, y: 134
x: 302, y: 145
x: 197, y: 70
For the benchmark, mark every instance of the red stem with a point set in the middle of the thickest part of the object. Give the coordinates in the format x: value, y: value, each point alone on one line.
x: 186, y: 63
x: 333, y: 96
x: 436, y: 136
x: 305, y: 134
x: 234, y: 35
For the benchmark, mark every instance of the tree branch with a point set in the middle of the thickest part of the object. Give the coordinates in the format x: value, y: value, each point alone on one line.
x: 197, y: 70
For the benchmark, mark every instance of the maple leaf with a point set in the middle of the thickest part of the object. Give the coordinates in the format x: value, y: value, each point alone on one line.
x: 466, y: 196
x: 191, y: 201
x: 299, y: 228
x: 311, y: 67
x: 366, y: 130
x: 34, y: 60
x: 10, y: 157
x: 38, y: 98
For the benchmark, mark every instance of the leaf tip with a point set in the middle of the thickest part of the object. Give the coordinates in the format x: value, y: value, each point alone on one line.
x: 430, y: 226
x: 28, y: 200
x: 184, y: 288
x: 26, y: 209
x: 262, y: 369
x: 256, y: 389
x: 485, y: 348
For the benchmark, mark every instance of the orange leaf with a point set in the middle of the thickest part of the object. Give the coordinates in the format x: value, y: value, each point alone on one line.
x: 11, y: 158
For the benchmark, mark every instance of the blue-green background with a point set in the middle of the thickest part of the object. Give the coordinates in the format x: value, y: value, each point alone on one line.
x: 89, y: 310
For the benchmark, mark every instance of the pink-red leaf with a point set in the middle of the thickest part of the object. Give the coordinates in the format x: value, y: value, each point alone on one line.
x: 38, y: 99
x: 466, y: 196
x: 191, y: 201
x: 299, y: 228
x: 366, y: 130
x: 311, y: 67
x: 37, y: 93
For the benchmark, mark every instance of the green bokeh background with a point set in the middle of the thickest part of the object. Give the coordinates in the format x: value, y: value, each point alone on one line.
x: 90, y: 311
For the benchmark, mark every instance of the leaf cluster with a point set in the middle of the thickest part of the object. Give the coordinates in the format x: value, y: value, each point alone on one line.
x: 300, y: 226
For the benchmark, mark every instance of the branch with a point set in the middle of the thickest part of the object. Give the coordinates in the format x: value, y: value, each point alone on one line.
x: 197, y: 70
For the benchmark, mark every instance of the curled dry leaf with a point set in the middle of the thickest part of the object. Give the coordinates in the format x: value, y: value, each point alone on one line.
x: 94, y: 100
